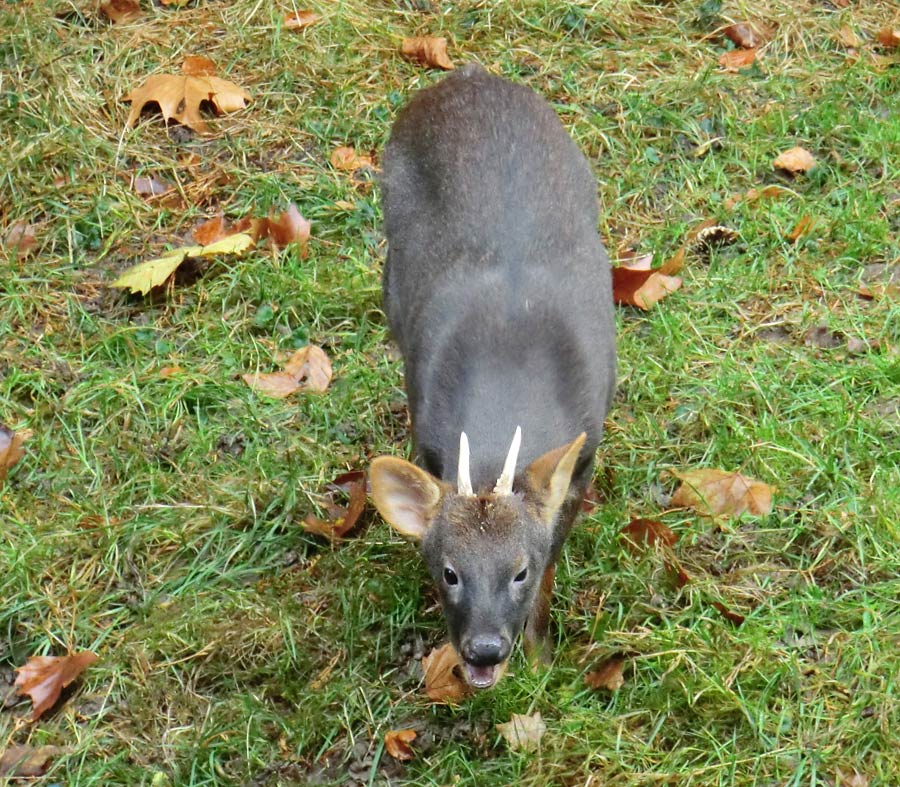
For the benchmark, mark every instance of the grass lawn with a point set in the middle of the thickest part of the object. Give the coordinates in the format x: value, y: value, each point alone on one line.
x: 156, y: 518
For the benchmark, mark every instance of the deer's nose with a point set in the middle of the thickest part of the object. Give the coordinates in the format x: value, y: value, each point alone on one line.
x: 486, y: 649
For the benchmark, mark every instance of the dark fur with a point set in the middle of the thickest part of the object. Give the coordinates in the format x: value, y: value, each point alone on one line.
x: 498, y: 291
x: 496, y: 287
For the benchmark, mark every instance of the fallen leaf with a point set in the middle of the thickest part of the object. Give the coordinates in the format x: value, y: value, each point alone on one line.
x: 846, y: 36
x: 27, y: 761
x: 754, y: 194
x: 345, y: 519
x: 639, y: 533
x: 121, y: 12
x: 397, y: 744
x: 290, y: 227
x: 211, y: 230
x: 641, y: 288
x: 198, y: 66
x: 737, y: 59
x: 875, y: 291
x: 888, y: 37
x: 744, y: 35
x: 852, y: 779
x: 733, y: 617
x: 179, y: 98
x: 802, y: 227
x: 149, y: 187
x: 443, y: 676
x: 44, y: 677
x: 608, y: 674
x: 11, y: 450
x: 311, y: 366
x: 297, y: 20
x: 21, y: 239
x: 307, y: 369
x: 795, y: 160
x: 170, y: 371
x: 713, y: 492
x: 523, y: 732
x: 428, y: 51
x: 143, y: 277
x: 674, y: 264
x: 348, y: 160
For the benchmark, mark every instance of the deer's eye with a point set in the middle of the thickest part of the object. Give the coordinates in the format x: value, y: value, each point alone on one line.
x: 450, y: 576
x: 520, y: 577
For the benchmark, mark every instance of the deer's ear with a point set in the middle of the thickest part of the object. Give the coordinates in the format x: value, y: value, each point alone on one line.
x: 405, y: 495
x: 548, y: 477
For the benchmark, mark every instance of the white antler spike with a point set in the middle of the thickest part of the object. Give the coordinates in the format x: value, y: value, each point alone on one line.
x: 505, y: 482
x: 463, y: 479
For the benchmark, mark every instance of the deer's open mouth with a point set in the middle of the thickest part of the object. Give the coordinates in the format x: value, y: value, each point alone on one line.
x: 483, y: 677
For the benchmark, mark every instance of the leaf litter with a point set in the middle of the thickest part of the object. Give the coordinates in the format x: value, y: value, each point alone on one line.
x: 427, y: 51
x: 397, y: 744
x: 44, y: 677
x: 343, y: 519
x: 11, y: 450
x: 308, y: 369
x: 180, y: 97
x: 27, y: 761
x: 444, y: 682
x: 523, y: 733
x: 608, y: 675
x: 713, y: 492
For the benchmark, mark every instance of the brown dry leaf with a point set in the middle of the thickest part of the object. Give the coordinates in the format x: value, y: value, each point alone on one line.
x: 297, y: 20
x: 639, y: 533
x: 345, y: 519
x: 875, y: 291
x: 348, y: 160
x: 674, y: 264
x: 211, y: 230
x: 802, y: 227
x: 27, y: 761
x: 744, y: 35
x: 754, y: 194
x: 444, y: 682
x: 889, y: 37
x: 21, y: 239
x: 713, y: 492
x: 290, y: 227
x: 121, y: 12
x: 733, y: 617
x: 852, y: 779
x: 149, y: 187
x: 523, y: 732
x: 11, y: 450
x: 44, y: 677
x: 641, y: 288
x: 847, y: 37
x: 737, y: 59
x: 795, y: 160
x: 311, y: 366
x: 198, y: 66
x: 608, y: 674
x: 307, y: 369
x: 179, y: 98
x: 397, y: 744
x: 428, y: 51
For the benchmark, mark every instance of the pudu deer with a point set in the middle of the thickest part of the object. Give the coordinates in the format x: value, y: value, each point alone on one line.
x: 497, y: 290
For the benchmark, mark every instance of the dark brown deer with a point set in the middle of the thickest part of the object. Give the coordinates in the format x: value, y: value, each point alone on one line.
x: 497, y: 290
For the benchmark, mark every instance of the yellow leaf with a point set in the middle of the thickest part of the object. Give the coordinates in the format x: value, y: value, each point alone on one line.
x: 145, y: 276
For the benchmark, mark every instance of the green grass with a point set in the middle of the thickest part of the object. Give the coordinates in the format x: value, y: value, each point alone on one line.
x: 156, y: 519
